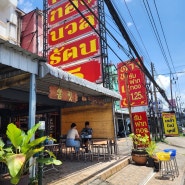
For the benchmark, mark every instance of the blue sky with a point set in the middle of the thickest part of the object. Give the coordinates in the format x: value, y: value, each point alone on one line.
x: 171, y: 15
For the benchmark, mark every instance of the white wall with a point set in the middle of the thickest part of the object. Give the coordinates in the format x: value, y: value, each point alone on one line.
x: 8, y: 20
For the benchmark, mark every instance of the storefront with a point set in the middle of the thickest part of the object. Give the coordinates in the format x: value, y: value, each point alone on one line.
x: 25, y: 87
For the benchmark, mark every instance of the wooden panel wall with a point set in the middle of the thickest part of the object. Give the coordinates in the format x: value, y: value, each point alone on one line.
x: 100, y: 118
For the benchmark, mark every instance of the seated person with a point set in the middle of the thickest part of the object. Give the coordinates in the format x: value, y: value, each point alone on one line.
x: 86, y: 135
x: 73, y: 138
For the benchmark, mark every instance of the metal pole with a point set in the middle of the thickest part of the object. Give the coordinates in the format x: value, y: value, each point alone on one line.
x: 171, y: 92
x: 32, y: 113
x: 128, y: 100
x: 40, y: 165
x: 156, y: 107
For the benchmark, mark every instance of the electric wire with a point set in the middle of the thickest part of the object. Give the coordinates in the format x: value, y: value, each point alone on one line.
x: 154, y: 27
x: 166, y: 43
x: 114, y: 38
x: 164, y: 34
x: 173, y: 79
x: 125, y: 35
x: 127, y: 38
x: 137, y: 30
x: 140, y: 38
x: 125, y: 51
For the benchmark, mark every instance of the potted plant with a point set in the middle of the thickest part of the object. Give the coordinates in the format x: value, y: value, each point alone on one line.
x: 150, y: 149
x: 140, y: 142
x: 17, y: 156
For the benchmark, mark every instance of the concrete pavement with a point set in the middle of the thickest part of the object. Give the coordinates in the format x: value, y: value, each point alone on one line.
x: 142, y: 175
x: 117, y: 171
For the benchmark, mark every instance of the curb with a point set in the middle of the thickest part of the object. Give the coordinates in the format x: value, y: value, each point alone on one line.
x: 114, y: 169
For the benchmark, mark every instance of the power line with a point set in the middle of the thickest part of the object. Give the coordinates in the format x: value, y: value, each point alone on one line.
x: 137, y: 31
x: 129, y: 55
x: 164, y: 35
x: 127, y: 38
x: 119, y: 44
x: 179, y: 72
x: 166, y: 45
x: 156, y: 33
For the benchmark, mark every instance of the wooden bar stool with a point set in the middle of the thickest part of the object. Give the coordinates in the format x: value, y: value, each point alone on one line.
x: 101, y: 151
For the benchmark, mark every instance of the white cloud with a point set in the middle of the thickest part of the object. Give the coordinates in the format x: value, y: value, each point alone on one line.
x: 163, y: 81
x: 129, y: 24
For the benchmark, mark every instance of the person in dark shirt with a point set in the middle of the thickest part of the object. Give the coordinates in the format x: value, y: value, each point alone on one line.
x: 86, y: 135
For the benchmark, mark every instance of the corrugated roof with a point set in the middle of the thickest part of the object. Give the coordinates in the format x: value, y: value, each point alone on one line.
x: 17, y: 58
x: 61, y: 78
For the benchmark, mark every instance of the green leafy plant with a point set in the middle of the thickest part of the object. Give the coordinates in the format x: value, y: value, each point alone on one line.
x: 140, y: 141
x: 150, y: 149
x: 17, y: 156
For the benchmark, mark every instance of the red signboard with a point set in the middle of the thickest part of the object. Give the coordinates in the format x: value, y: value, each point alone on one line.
x: 78, y: 50
x: 140, y: 123
x: 131, y: 85
x: 72, y: 29
x: 59, y: 93
x: 67, y: 10
x: 85, y: 71
x: 52, y: 2
x: 72, y: 41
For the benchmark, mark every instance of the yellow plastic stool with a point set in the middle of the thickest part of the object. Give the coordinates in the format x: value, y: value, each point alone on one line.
x: 165, y: 165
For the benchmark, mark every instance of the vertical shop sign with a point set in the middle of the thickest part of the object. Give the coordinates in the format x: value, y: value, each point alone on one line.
x: 136, y: 85
x: 71, y: 40
x: 140, y: 123
x: 170, y: 124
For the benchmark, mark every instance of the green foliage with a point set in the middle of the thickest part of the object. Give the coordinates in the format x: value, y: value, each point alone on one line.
x: 150, y: 149
x: 140, y: 141
x: 18, y: 155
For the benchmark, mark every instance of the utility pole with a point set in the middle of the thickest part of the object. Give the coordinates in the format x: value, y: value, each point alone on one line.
x: 159, y: 126
x: 178, y: 108
x: 171, y: 102
x: 153, y: 129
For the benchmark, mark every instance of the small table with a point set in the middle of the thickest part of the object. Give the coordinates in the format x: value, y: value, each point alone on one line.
x: 101, y: 148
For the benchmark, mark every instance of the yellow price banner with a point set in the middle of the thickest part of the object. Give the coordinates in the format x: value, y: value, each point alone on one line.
x: 170, y: 124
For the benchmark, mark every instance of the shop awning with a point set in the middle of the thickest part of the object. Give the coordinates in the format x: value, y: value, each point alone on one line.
x: 56, y: 76
x: 16, y: 65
